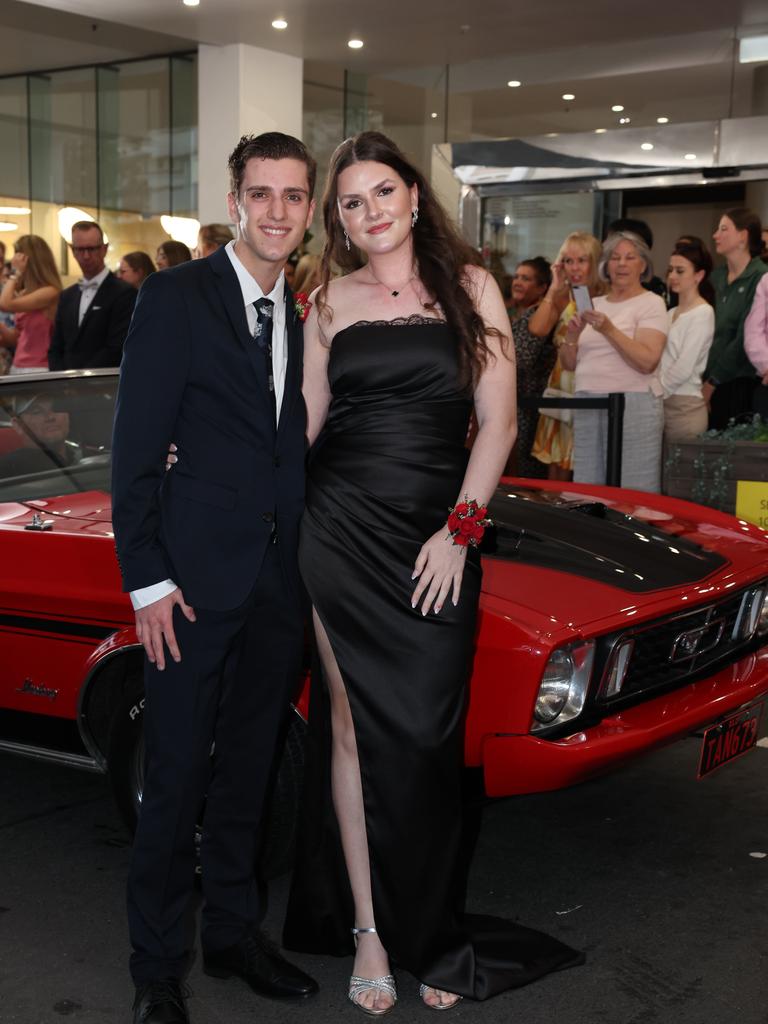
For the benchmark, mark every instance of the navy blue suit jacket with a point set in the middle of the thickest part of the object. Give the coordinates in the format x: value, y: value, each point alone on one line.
x: 192, y: 374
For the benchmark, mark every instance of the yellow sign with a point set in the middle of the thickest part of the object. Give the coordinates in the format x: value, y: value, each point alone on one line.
x: 752, y: 502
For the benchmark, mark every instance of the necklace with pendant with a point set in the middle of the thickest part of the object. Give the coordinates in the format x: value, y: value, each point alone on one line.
x: 394, y: 292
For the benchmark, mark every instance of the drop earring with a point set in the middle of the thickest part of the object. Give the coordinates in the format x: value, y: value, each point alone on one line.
x: 346, y: 241
x: 414, y: 217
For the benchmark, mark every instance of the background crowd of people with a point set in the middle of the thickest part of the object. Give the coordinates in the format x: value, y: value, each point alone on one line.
x: 46, y: 326
x: 688, y: 354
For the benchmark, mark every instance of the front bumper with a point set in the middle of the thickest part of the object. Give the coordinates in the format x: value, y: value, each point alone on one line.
x: 529, y: 764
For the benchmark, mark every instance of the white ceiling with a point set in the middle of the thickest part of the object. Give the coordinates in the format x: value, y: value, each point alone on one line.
x: 655, y: 56
x: 401, y: 33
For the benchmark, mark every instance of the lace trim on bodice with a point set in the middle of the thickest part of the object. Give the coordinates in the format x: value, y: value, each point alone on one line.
x: 400, y: 321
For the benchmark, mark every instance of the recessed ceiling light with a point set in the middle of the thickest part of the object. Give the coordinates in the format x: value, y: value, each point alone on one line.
x: 21, y: 211
x: 689, y: 156
x: 568, y: 96
x: 433, y: 114
x: 6, y: 225
x: 617, y: 108
x: 552, y: 135
x: 662, y: 120
x: 191, y: 3
x: 624, y: 120
x: 355, y: 44
x: 279, y: 24
x: 600, y: 131
x: 646, y: 145
x: 514, y: 84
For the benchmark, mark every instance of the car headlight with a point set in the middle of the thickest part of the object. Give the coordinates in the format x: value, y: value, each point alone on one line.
x: 753, y: 614
x: 563, y: 687
x: 762, y: 618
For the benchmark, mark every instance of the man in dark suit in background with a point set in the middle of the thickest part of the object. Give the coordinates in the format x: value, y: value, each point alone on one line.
x: 213, y: 363
x: 93, y: 315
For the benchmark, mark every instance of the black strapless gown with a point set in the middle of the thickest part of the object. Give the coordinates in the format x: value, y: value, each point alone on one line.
x: 381, y: 478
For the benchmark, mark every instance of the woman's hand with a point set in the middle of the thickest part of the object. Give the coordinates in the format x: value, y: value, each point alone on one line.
x: 559, y: 279
x: 439, y: 567
x: 170, y: 458
x: 598, y: 320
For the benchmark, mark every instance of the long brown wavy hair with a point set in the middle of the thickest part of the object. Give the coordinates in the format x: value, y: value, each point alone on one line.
x: 41, y: 266
x: 440, y: 253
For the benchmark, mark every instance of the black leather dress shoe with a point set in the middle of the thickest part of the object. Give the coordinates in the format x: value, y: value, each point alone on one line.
x: 258, y: 962
x: 160, y: 1002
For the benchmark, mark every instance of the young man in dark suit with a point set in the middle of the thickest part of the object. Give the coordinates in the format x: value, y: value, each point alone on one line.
x: 93, y: 315
x: 209, y: 553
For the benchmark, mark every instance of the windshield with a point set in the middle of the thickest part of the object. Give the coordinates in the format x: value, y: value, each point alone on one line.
x: 55, y: 436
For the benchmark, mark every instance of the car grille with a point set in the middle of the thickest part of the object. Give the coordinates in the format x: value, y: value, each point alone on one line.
x: 670, y: 651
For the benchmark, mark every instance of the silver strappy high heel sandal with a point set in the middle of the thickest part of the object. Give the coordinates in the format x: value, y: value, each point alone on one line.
x: 358, y: 986
x: 423, y: 989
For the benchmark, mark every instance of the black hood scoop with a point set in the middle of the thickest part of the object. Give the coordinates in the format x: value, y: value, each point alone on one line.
x: 589, y: 539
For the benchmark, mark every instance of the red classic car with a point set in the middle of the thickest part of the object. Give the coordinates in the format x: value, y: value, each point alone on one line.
x: 611, y: 621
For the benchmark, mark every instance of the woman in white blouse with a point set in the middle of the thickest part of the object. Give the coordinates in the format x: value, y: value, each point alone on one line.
x: 691, y: 327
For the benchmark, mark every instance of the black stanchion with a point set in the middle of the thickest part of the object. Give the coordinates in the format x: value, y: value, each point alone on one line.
x: 614, y: 404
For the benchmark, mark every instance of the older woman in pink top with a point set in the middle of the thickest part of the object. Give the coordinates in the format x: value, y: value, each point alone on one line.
x: 32, y: 293
x: 617, y: 346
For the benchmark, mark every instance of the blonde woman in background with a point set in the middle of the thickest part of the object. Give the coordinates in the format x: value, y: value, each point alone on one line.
x: 576, y: 264
x: 32, y: 293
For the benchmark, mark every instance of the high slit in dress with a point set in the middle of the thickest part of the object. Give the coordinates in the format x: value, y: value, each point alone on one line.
x: 382, y: 475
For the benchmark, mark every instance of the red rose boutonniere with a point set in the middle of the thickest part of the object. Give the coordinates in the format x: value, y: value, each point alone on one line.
x: 301, y: 306
x: 467, y: 522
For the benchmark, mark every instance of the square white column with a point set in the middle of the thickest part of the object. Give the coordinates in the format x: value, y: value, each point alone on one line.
x: 242, y: 90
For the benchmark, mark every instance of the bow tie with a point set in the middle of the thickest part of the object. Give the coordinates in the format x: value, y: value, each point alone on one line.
x: 85, y: 285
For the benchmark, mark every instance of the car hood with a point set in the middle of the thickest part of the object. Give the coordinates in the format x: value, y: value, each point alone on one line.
x: 70, y: 512
x: 613, y: 545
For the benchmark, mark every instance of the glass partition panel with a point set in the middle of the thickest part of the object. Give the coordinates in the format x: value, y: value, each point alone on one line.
x: 183, y: 129
x: 14, y: 130
x: 62, y: 126
x: 520, y: 227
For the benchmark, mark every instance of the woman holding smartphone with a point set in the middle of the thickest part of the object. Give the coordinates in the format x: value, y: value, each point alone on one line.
x: 576, y: 264
x: 617, y: 346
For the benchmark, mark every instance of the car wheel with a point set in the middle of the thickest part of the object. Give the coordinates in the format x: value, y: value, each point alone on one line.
x: 126, y: 771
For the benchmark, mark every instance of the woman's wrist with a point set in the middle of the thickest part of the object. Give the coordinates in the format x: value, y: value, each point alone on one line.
x: 467, y: 522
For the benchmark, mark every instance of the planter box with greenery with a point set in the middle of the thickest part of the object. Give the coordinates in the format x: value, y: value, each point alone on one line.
x: 707, y: 469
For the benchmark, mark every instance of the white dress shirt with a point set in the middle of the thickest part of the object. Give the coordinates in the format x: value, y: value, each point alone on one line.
x: 251, y: 292
x: 88, y: 288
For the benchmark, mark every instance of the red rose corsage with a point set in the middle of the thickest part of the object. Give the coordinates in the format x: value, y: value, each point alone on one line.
x: 467, y: 522
x: 301, y: 305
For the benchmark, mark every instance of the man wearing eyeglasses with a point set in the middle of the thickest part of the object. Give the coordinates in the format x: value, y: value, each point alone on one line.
x: 93, y: 315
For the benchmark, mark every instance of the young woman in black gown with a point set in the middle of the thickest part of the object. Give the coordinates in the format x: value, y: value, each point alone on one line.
x: 396, y: 354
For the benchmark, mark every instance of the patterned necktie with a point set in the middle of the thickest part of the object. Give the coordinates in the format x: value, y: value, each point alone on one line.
x: 263, y: 338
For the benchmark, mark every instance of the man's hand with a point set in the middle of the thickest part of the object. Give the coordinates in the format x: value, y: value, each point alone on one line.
x: 155, y: 624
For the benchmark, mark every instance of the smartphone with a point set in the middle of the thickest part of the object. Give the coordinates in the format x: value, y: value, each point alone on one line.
x: 581, y: 297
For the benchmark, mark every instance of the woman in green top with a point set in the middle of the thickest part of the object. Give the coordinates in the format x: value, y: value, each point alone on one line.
x: 730, y: 378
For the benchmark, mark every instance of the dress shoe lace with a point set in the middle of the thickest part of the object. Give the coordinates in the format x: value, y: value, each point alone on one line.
x: 158, y: 992
x: 256, y: 945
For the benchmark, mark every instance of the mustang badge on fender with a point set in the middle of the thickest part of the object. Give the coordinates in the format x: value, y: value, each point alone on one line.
x: 37, y: 690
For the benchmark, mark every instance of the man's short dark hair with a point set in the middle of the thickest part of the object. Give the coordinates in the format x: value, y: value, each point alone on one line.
x: 269, y: 146
x: 88, y: 225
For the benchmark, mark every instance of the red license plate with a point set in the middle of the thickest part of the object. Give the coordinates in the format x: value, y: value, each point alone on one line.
x: 730, y: 739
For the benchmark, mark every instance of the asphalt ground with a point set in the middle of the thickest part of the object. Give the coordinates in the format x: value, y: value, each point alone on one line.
x: 654, y: 874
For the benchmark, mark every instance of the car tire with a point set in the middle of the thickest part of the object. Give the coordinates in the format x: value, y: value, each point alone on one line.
x: 126, y: 772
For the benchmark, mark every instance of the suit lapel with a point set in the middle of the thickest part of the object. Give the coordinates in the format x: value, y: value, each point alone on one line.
x: 295, y: 340
x: 232, y: 298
